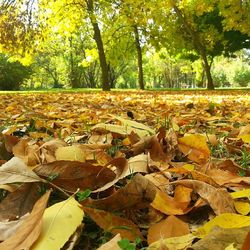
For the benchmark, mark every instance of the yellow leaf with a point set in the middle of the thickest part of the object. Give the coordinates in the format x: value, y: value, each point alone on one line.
x: 126, y: 142
x: 174, y: 243
x: 189, y: 167
x: 226, y: 220
x: 60, y: 221
x: 241, y: 194
x: 167, y: 204
x: 231, y: 247
x: 245, y: 138
x: 70, y: 153
x: 242, y: 207
x: 195, y: 147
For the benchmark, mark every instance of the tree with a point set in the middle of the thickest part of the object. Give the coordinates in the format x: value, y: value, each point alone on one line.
x: 190, y: 27
x: 19, y: 29
x: 12, y: 74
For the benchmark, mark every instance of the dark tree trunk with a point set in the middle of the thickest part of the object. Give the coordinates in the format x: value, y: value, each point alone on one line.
x: 139, y: 58
x: 99, y: 44
x: 207, y: 68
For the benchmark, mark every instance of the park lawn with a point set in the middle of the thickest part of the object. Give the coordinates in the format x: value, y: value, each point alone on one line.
x: 135, y: 161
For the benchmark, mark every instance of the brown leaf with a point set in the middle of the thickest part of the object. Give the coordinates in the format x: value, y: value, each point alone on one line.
x: 170, y: 227
x: 219, y: 199
x: 29, y: 230
x: 19, y: 202
x: 10, y: 141
x: 72, y: 175
x: 153, y: 146
x: 114, y: 224
x: 28, y: 151
x: 121, y: 171
x: 246, y: 243
x: 138, y: 192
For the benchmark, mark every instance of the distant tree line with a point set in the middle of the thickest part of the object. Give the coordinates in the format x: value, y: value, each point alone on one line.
x: 126, y: 44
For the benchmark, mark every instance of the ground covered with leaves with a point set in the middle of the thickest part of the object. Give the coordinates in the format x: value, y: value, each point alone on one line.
x: 125, y: 170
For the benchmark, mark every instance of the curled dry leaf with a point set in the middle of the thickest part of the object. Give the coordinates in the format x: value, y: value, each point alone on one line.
x: 71, y: 175
x: 48, y: 149
x: 120, y: 166
x: 15, y: 170
x: 114, y: 224
x: 139, y: 192
x: 219, y: 199
x: 28, y: 151
x: 138, y: 164
x: 152, y: 145
x: 29, y: 230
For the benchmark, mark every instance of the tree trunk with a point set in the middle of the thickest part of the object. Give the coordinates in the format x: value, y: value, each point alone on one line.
x: 100, y: 48
x: 72, y: 73
x: 139, y: 58
x: 207, y: 68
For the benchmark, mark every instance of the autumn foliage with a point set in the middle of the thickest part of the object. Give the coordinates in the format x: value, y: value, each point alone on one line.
x: 125, y: 170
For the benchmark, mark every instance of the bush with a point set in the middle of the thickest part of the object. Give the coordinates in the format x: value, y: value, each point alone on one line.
x: 220, y: 79
x: 12, y: 74
x: 242, y: 77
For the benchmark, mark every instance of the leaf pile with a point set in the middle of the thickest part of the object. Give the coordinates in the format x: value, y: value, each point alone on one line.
x: 125, y: 170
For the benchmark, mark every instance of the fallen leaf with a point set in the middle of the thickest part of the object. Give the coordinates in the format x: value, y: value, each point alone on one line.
x: 59, y: 222
x: 219, y: 199
x: 121, y: 170
x: 28, y: 151
x: 195, y: 147
x: 138, y: 164
x: 112, y: 244
x: 118, y: 129
x: 246, y: 243
x: 174, y: 243
x: 134, y: 124
x: 8, y: 228
x: 242, y: 207
x: 15, y: 170
x: 72, y: 175
x: 168, y: 228
x: 29, y: 230
x: 167, y: 204
x: 69, y: 153
x: 19, y: 202
x: 138, y: 192
x: 114, y: 224
x: 222, y: 238
x: 241, y: 194
x: 226, y: 220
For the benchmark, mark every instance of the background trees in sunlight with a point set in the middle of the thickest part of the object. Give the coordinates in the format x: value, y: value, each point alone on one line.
x: 128, y: 44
